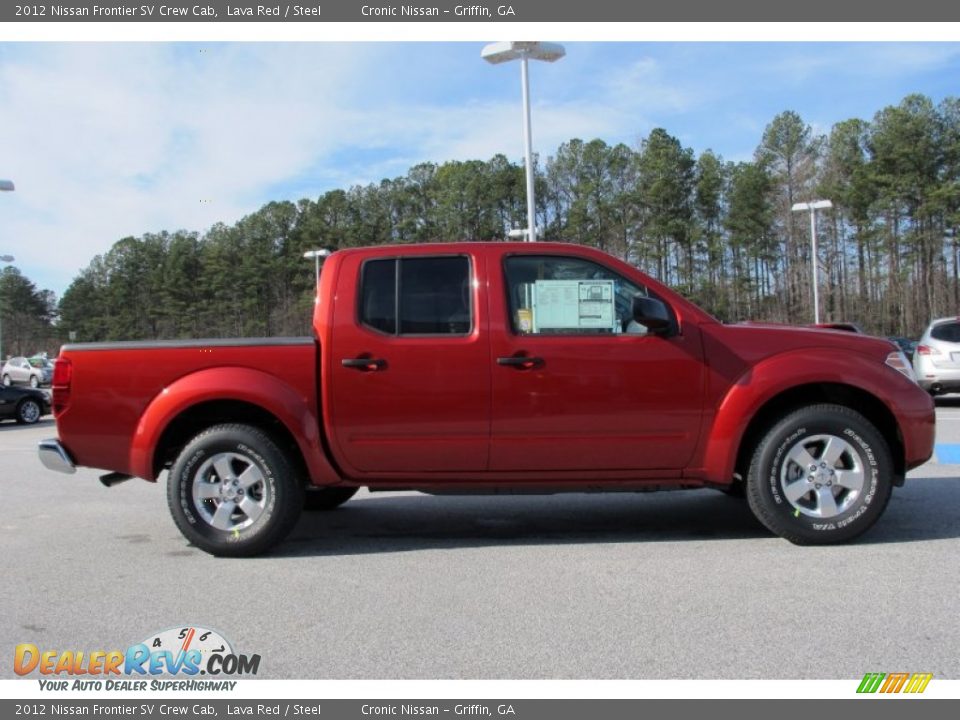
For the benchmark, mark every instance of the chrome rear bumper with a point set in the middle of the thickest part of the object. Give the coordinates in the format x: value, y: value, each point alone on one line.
x: 55, y: 457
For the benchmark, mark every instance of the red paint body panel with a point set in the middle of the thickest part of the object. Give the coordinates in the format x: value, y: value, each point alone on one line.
x: 617, y: 411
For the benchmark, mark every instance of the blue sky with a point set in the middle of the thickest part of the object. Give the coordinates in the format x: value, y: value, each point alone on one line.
x: 105, y: 140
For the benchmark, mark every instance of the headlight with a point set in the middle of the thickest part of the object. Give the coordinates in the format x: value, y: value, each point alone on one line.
x: 898, y: 361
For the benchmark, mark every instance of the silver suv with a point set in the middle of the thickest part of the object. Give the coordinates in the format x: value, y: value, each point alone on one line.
x: 34, y: 371
x: 937, y: 357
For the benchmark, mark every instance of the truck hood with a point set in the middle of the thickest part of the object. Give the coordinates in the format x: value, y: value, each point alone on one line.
x: 752, y: 341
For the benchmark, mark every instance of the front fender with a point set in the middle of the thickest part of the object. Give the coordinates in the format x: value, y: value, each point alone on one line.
x: 231, y: 383
x: 911, y: 407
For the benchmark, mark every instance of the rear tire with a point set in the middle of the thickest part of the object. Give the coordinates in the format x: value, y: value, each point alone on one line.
x: 233, y: 492
x: 326, y: 499
x: 822, y: 475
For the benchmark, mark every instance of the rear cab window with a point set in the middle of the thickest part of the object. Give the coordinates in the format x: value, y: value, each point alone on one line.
x: 417, y: 296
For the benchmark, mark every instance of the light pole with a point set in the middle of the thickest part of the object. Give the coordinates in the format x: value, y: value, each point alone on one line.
x: 6, y: 260
x: 813, y: 207
x: 500, y: 52
x: 315, y: 255
x: 5, y: 186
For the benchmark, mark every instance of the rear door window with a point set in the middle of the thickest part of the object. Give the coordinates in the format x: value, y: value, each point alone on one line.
x: 417, y: 296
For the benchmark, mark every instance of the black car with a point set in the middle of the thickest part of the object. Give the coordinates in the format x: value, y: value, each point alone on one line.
x: 25, y: 405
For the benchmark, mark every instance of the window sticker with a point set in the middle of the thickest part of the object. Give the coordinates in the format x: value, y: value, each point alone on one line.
x: 564, y: 305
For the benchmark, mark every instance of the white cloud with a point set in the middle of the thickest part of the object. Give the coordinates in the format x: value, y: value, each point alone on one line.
x: 110, y: 140
x: 105, y: 141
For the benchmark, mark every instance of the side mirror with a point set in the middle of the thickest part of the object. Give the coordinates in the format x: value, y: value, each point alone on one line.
x: 654, y: 315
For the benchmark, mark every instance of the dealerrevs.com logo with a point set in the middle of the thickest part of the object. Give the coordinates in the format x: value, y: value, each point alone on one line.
x: 185, y: 652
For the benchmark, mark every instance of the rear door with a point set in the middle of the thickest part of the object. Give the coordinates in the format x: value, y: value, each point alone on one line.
x: 410, y: 365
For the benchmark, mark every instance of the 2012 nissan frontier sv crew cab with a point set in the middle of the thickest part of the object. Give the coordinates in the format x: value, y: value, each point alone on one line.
x: 496, y: 368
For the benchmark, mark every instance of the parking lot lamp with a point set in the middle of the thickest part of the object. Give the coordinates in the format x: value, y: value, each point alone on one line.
x: 501, y: 52
x: 813, y: 207
x: 315, y: 255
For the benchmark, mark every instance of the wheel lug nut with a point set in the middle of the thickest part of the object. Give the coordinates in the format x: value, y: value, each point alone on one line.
x: 813, y: 468
x: 817, y: 486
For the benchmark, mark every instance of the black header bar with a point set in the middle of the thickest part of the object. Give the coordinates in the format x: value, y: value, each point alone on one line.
x: 499, y: 11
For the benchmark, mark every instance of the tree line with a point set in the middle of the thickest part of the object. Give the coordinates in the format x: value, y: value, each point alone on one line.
x: 27, y: 316
x: 720, y: 232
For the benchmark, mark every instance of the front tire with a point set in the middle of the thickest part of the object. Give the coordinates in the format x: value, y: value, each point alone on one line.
x: 233, y: 492
x: 822, y: 475
x: 34, y: 383
x: 6, y: 381
x: 28, y: 411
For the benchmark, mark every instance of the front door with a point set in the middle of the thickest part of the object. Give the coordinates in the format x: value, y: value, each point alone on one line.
x: 577, y: 385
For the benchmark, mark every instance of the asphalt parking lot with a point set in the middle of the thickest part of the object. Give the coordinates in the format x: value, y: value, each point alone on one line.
x: 400, y: 585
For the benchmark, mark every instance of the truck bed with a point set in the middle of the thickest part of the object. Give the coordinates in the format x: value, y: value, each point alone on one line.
x: 118, y: 382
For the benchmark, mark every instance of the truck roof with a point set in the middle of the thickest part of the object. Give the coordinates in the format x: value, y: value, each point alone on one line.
x: 474, y: 245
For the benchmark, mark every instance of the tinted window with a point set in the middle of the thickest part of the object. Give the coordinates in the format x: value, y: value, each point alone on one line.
x: 569, y: 296
x: 378, y: 295
x: 947, y: 331
x: 433, y: 294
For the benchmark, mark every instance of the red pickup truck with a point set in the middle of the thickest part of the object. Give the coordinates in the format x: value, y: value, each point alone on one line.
x: 496, y: 368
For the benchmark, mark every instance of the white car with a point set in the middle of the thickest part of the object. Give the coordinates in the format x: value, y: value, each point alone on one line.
x: 936, y: 360
x: 28, y: 371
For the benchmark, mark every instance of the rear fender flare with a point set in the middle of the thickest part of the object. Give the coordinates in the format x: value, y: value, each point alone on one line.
x: 232, y: 383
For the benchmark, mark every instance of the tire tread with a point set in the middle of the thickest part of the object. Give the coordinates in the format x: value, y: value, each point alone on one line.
x: 289, y: 499
x: 774, y: 522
